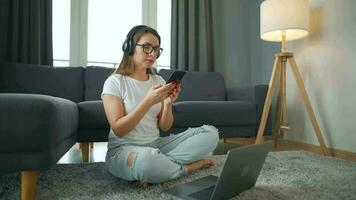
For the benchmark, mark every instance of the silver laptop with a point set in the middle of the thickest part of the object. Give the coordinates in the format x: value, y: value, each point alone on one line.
x: 240, y: 173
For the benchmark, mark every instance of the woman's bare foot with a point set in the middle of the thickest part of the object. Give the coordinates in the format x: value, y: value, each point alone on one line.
x: 142, y: 184
x: 200, y: 164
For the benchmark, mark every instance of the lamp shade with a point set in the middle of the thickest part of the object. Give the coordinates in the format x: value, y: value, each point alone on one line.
x: 289, y: 16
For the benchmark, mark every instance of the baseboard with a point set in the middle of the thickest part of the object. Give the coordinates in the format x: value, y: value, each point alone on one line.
x: 316, y: 149
x: 295, y: 145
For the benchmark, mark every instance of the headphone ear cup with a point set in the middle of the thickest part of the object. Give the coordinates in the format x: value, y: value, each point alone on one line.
x: 127, y: 46
x: 130, y: 44
x: 124, y: 46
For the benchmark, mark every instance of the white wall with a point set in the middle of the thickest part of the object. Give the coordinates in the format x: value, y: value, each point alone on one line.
x: 327, y: 62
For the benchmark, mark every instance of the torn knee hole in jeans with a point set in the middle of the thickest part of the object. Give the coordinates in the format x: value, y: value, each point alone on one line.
x: 131, y: 158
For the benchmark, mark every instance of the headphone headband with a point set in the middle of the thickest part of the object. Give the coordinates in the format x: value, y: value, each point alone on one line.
x: 134, y: 30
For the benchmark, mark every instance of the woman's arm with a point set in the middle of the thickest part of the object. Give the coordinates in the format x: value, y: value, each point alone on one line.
x: 122, y: 124
x: 166, y: 115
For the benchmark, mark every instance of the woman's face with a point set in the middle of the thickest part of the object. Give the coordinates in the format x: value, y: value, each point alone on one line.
x: 142, y: 59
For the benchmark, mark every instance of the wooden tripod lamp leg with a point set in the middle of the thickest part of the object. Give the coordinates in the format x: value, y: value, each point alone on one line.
x: 307, y: 104
x: 284, y: 95
x: 277, y: 123
x: 268, y: 101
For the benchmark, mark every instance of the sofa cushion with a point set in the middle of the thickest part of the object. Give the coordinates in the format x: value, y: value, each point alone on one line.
x: 92, y: 115
x: 217, y: 113
x: 64, y: 82
x: 199, y: 86
x: 94, y: 78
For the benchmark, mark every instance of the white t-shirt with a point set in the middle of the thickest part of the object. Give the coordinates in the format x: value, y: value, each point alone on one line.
x: 132, y: 92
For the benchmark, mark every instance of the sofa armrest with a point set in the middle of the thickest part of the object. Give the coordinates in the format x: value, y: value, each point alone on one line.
x: 256, y: 94
x: 240, y: 94
x: 260, y: 97
x: 33, y: 122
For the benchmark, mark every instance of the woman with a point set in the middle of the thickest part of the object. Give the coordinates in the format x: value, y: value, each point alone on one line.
x: 137, y: 103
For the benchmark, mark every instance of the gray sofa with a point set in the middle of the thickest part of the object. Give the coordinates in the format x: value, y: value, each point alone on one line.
x: 204, y: 99
x: 45, y: 110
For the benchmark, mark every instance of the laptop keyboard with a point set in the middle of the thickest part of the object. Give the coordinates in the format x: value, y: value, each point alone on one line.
x: 203, y: 194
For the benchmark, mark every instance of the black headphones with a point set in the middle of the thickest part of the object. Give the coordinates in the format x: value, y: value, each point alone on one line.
x: 128, y: 45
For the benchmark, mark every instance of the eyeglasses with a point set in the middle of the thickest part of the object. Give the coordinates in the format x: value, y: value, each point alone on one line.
x: 147, y: 48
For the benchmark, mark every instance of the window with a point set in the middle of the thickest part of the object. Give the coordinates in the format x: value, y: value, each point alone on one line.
x: 164, y: 29
x: 61, y: 26
x: 106, y: 23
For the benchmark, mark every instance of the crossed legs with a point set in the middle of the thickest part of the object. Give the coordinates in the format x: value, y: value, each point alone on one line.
x: 166, y: 158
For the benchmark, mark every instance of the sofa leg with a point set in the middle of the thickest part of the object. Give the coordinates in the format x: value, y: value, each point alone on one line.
x: 85, y: 151
x: 91, y: 145
x: 28, y: 184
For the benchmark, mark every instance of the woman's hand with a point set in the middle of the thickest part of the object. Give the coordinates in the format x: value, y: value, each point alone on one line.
x: 158, y: 93
x: 173, y: 94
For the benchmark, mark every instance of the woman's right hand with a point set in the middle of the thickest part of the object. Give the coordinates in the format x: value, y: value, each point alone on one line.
x: 158, y: 93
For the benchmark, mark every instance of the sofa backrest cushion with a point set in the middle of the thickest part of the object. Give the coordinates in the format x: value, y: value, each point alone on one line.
x: 94, y: 78
x: 64, y: 82
x: 199, y: 86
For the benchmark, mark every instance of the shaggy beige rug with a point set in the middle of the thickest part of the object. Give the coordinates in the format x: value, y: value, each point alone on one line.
x: 285, y: 175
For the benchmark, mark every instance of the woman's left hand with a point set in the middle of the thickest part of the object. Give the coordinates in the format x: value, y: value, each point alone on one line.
x: 173, y: 95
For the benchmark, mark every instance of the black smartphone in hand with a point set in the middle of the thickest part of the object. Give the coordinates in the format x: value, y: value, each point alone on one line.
x: 176, y: 76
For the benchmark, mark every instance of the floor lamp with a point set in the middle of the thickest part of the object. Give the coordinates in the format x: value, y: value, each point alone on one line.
x: 281, y: 21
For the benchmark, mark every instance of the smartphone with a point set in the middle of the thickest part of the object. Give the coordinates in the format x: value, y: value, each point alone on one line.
x: 176, y: 76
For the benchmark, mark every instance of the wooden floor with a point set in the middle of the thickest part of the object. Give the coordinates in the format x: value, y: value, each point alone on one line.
x: 97, y: 154
x: 74, y: 155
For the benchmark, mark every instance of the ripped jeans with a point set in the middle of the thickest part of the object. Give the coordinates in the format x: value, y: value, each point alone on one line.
x: 165, y: 158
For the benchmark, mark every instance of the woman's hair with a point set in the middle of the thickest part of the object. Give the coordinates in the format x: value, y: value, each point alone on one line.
x: 127, y: 65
